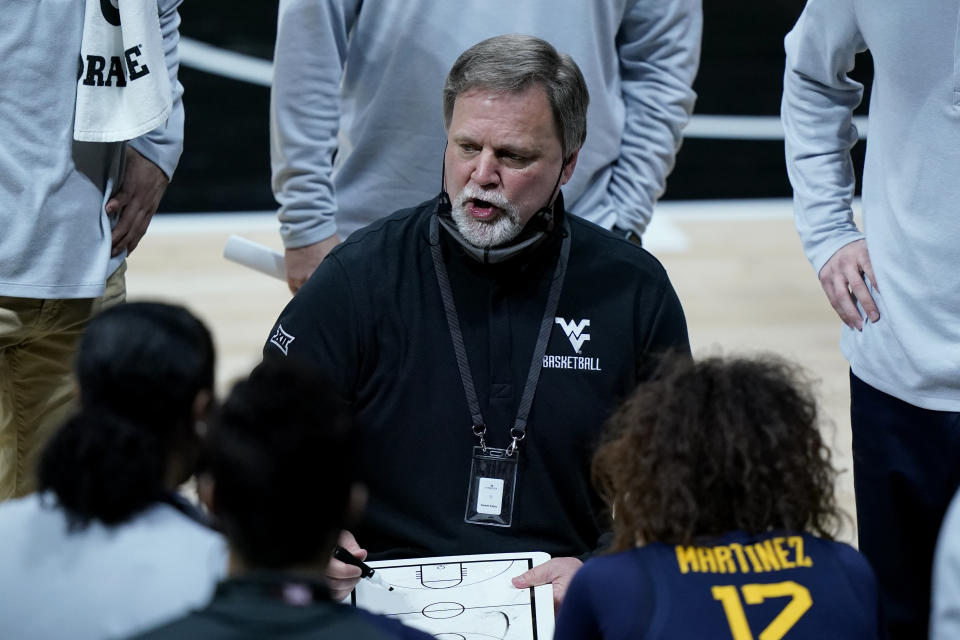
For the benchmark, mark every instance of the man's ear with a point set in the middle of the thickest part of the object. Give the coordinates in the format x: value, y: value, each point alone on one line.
x: 568, y: 166
x: 206, y: 491
x: 356, y: 504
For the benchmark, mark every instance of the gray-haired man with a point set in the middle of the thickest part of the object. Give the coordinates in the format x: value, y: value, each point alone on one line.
x: 484, y: 337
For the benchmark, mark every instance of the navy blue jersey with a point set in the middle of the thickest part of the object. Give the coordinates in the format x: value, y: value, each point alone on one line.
x: 740, y: 587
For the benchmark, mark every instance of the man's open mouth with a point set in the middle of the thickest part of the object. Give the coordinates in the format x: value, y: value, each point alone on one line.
x: 482, y: 209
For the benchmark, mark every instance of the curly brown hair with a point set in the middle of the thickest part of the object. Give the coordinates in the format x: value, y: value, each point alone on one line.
x: 717, y: 445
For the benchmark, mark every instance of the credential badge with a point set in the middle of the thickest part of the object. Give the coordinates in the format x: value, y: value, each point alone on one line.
x: 282, y: 339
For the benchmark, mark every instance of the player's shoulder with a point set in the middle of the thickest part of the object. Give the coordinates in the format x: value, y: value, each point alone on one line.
x: 609, y: 566
x: 393, y: 230
x: 852, y: 561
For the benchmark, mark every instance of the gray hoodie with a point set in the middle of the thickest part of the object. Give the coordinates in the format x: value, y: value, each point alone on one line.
x: 356, y: 117
x: 54, y: 232
x: 911, y: 182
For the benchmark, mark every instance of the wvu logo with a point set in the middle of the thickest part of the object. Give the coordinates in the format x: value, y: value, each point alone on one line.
x: 282, y: 339
x: 574, y: 331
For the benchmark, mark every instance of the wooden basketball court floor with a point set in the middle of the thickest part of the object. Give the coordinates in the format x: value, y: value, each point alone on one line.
x: 737, y: 266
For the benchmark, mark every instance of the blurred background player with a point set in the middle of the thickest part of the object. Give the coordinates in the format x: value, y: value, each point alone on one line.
x: 722, y: 495
x: 282, y: 484
x: 106, y: 548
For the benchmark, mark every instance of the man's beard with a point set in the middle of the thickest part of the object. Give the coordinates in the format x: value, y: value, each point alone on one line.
x: 481, y: 233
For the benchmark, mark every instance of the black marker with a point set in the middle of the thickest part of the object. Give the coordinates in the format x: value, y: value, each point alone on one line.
x: 366, y: 571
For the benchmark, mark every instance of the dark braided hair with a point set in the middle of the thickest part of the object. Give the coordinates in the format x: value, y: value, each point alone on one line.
x: 140, y: 367
x: 282, y: 456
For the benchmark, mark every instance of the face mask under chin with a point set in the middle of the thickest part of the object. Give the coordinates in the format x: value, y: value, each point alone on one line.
x: 524, y: 238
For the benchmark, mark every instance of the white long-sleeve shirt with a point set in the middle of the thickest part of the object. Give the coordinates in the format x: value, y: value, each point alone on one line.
x: 101, y: 582
x: 362, y: 81
x: 54, y: 233
x: 911, y: 181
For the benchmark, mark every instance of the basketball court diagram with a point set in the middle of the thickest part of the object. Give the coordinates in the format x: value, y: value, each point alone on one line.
x: 462, y: 598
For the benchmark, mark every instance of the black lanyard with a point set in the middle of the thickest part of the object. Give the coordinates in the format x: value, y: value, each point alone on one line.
x: 519, y: 429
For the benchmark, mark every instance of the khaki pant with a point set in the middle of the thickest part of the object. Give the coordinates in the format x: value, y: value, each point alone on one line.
x: 38, y: 340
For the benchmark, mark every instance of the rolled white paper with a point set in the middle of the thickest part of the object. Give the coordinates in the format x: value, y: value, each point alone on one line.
x: 256, y: 256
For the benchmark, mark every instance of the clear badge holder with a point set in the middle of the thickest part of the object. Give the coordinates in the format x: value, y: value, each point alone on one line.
x: 493, y: 478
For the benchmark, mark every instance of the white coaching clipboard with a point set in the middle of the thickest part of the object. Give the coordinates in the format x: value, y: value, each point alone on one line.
x: 469, y: 597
